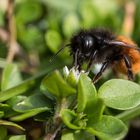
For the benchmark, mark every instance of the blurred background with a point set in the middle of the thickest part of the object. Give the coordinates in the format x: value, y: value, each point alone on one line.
x: 32, y: 31
x: 36, y: 29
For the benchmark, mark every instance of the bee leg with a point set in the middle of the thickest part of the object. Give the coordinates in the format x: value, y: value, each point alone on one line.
x: 128, y: 64
x: 80, y: 62
x: 99, y: 74
x: 89, y: 65
x: 91, y: 61
x: 75, y: 59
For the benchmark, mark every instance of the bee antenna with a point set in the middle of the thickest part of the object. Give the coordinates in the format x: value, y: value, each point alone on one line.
x: 60, y: 50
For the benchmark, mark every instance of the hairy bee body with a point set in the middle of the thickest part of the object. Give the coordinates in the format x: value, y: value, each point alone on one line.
x: 104, y: 47
x: 132, y: 53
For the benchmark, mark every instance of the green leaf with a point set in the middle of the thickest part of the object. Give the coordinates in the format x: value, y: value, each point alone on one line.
x: 87, y: 94
x: 33, y: 102
x: 32, y: 36
x: 68, y: 136
x: 130, y: 114
x: 57, y: 86
x: 88, y: 101
x: 29, y: 114
x: 15, y: 100
x: 7, y: 110
x: 68, y: 117
x: 95, y: 113
x: 111, y: 6
x: 53, y: 40
x: 23, y: 87
x: 63, y: 5
x: 3, y: 132
x: 120, y: 94
x: 77, y: 135
x: 108, y: 128
x: 19, y: 89
x: 87, y: 8
x: 1, y: 114
x: 70, y: 24
x: 7, y: 123
x: 18, y: 137
x: 3, y: 105
x: 27, y: 8
x: 10, y: 76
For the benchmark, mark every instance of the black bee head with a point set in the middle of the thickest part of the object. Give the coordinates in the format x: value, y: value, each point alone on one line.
x: 83, y: 43
x: 82, y: 47
x: 86, y: 43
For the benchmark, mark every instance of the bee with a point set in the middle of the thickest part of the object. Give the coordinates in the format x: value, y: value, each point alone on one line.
x: 101, y: 46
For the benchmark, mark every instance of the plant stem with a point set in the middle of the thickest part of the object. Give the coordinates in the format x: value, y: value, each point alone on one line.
x: 130, y: 114
x: 57, y: 123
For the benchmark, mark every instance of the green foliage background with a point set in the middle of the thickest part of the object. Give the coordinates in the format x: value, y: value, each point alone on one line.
x: 43, y: 27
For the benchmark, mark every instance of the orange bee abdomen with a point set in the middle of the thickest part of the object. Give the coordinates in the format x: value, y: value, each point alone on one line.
x: 132, y: 53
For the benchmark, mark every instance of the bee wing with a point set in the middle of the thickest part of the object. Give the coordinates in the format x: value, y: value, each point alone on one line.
x: 120, y: 43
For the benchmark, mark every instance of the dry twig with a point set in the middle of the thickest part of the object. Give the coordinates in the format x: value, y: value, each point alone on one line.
x: 128, y: 24
x: 13, y: 45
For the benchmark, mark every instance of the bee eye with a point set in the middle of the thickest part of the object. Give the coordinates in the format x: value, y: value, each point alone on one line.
x: 88, y: 41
